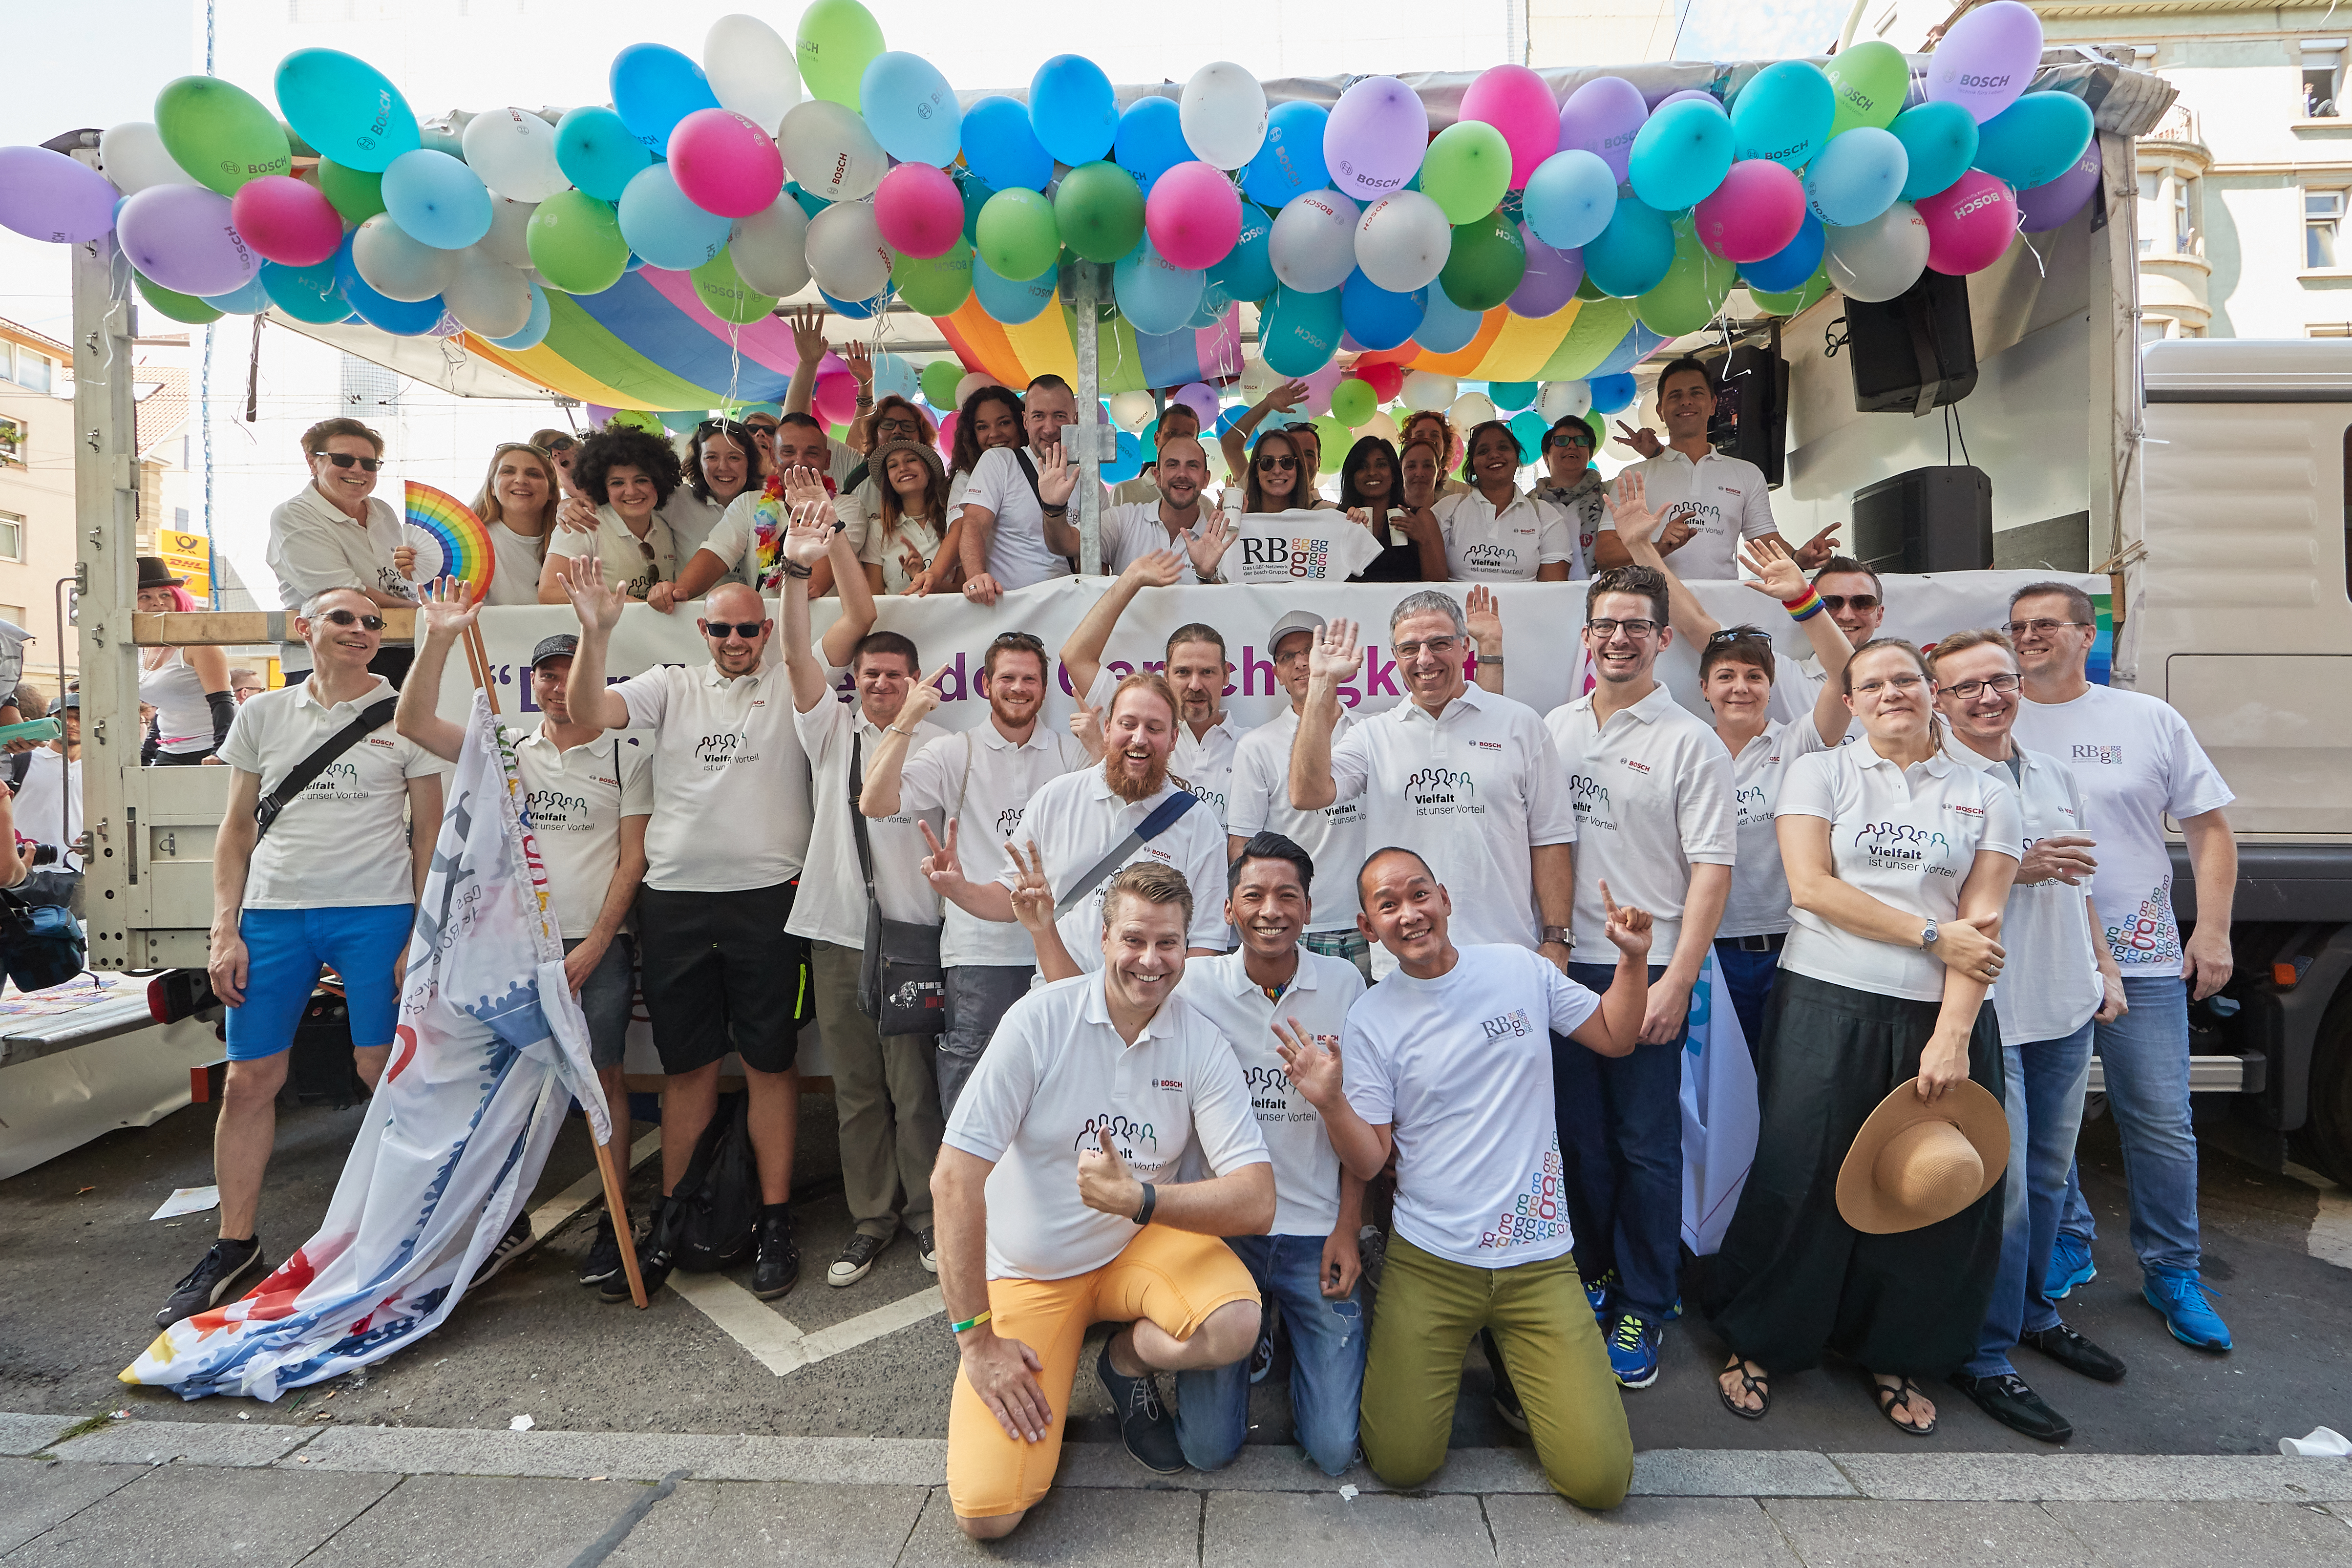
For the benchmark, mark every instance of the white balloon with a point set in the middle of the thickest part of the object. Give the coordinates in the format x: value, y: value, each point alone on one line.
x: 509, y: 227
x: 514, y: 153
x: 1130, y: 410
x: 397, y: 266
x: 1561, y: 400
x: 1256, y: 379
x: 1427, y: 392
x: 831, y: 152
x: 771, y: 248
x: 1313, y: 245
x: 1878, y: 259
x: 971, y: 384
x: 131, y: 154
x: 1380, y: 425
x: 1222, y: 112
x: 491, y: 297
x: 846, y: 252
x: 1470, y: 408
x: 1403, y: 241
x: 753, y: 71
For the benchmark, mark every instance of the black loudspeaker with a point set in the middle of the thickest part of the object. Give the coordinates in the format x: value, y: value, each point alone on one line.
x: 1751, y: 409
x: 1914, y: 352
x: 1930, y: 520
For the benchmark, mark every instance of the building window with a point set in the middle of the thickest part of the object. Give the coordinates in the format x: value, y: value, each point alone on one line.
x: 2150, y: 183
x: 12, y: 537
x: 2323, y: 216
x: 2183, y: 229
x: 12, y: 441
x: 31, y: 370
x: 2323, y: 69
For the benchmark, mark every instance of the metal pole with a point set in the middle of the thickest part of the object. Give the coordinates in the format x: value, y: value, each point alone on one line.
x: 1089, y: 449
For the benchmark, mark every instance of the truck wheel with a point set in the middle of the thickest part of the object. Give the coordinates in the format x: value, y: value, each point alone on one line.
x: 2328, y: 1135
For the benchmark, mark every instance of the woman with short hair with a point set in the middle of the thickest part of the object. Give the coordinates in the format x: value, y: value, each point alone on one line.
x: 628, y: 474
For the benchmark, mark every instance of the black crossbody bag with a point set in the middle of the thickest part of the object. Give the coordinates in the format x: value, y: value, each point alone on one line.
x: 300, y: 777
x: 901, y: 984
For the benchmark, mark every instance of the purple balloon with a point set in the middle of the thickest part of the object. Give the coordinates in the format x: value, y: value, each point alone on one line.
x: 1375, y: 138
x: 1549, y: 282
x: 1601, y: 117
x: 48, y: 197
x: 181, y: 237
x: 1988, y: 59
x: 2047, y: 207
x: 1689, y: 95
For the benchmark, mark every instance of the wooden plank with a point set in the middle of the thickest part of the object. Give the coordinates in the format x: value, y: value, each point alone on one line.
x: 204, y: 628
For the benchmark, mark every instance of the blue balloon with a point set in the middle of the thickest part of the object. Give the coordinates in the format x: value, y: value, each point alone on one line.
x: 436, y: 200
x: 1073, y: 109
x: 635, y: 263
x: 1156, y: 297
x: 596, y: 153
x: 1010, y: 300
x: 1788, y: 267
x: 1289, y: 163
x: 808, y: 202
x: 1211, y: 308
x: 666, y: 228
x: 1631, y: 255
x: 1445, y: 327
x: 345, y: 109
x: 1298, y: 333
x: 534, y: 331
x: 1247, y: 270
x: 1941, y: 140
x: 1783, y: 114
x: 305, y: 293
x: 910, y: 109
x: 860, y: 310
x: 1226, y: 418
x: 1630, y: 350
x: 976, y: 193
x: 249, y: 299
x: 654, y: 88
x: 1002, y: 147
x: 1376, y: 318
x: 1610, y: 392
x: 1680, y: 155
x: 2035, y: 140
x: 398, y: 317
x: 1128, y: 464
x: 1151, y: 139
x: 1570, y: 198
x: 1858, y: 176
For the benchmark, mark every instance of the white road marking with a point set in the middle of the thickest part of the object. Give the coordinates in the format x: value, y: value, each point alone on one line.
x: 556, y: 1212
x: 778, y: 1344
x: 2330, y: 1237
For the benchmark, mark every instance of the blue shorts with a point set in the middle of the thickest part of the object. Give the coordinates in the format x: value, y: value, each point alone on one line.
x: 285, y: 949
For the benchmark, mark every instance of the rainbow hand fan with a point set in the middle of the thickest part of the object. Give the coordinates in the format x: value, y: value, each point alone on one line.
x: 448, y: 539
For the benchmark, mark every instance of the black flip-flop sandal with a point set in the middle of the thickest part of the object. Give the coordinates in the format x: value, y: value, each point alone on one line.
x: 1750, y: 1383
x: 1901, y: 1394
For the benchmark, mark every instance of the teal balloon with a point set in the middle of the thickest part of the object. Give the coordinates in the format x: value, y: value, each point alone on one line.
x: 1941, y: 140
x: 1298, y: 333
x: 1631, y: 255
x: 2035, y: 140
x: 1511, y: 395
x: 975, y: 191
x: 1247, y: 270
x: 534, y: 331
x: 1680, y: 155
x: 1858, y: 176
x: 1011, y: 301
x: 1156, y: 297
x: 596, y: 153
x: 1529, y: 428
x: 1445, y: 327
x: 436, y: 200
x: 809, y: 201
x: 655, y: 87
x: 305, y: 293
x: 666, y: 228
x: 345, y: 108
x: 1783, y: 114
x: 250, y: 300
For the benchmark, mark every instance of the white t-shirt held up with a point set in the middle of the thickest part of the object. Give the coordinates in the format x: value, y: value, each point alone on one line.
x: 1277, y: 549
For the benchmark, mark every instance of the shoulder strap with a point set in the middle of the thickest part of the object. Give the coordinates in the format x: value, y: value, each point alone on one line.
x: 857, y: 816
x: 1029, y: 472
x: 1163, y: 816
x: 299, y: 777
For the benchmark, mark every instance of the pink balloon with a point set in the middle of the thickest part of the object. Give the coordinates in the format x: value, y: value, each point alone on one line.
x: 47, y: 197
x: 1753, y: 213
x: 183, y: 238
x: 2047, y: 207
x: 1549, y: 282
x: 947, y: 432
x: 1193, y: 216
x: 835, y: 399
x: 1319, y: 387
x: 724, y: 164
x: 1687, y: 95
x: 1602, y: 117
x: 1517, y: 102
x: 1199, y: 396
x: 287, y: 220
x: 1969, y: 224
x: 919, y: 210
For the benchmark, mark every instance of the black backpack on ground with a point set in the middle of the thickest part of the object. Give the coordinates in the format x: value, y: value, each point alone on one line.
x: 714, y: 1215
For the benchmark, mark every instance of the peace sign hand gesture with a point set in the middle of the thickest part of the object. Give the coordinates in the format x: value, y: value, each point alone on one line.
x: 941, y: 868
x: 1033, y: 896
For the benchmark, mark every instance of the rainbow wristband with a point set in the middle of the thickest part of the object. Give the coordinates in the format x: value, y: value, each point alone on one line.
x: 969, y: 1323
x: 1806, y: 608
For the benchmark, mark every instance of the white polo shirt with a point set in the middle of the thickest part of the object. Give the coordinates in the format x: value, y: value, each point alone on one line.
x: 734, y: 540
x: 1204, y: 762
x: 1472, y: 792
x: 342, y: 843
x: 730, y: 781
x: 574, y: 802
x: 1909, y: 837
x: 1460, y: 1066
x: 1076, y: 819
x: 1652, y: 795
x: 1305, y: 1166
x: 1723, y: 498
x: 1134, y: 530
x: 1484, y: 546
x: 1333, y: 838
x: 1056, y: 1072
x: 314, y: 546
x: 2049, y: 986
x: 2136, y: 764
x: 831, y: 905
x: 1017, y: 556
x: 631, y: 564
x: 1758, y: 902
x: 690, y: 520
x: 986, y: 781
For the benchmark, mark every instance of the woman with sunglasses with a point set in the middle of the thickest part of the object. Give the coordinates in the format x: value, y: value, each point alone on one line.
x: 517, y: 504
x: 721, y: 463
x: 561, y: 446
x: 1371, y: 492
x: 990, y: 418
x: 628, y: 474
x: 339, y: 533
x: 1278, y: 478
x: 1495, y: 532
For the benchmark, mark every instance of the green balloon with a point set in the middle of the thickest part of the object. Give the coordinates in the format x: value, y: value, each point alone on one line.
x: 1599, y: 326
x: 1334, y: 436
x: 1018, y: 237
x: 939, y: 379
x: 1600, y: 423
x: 1797, y: 300
x: 1353, y: 401
x: 838, y: 40
x: 183, y: 308
x: 1487, y: 261
x: 220, y: 134
x: 575, y: 243
x: 357, y: 194
x: 1586, y: 289
x: 1099, y: 207
x: 935, y: 285
x: 1465, y: 171
x: 1870, y: 80
x: 635, y: 419
x: 1692, y: 291
x: 725, y: 294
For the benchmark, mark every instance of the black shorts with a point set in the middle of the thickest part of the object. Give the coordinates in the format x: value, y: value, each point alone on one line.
x: 719, y: 973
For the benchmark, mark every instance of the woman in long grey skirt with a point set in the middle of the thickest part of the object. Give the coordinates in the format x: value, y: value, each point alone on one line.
x: 1899, y: 859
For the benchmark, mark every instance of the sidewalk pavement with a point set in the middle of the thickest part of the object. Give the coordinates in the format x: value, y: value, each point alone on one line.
x: 134, y: 1492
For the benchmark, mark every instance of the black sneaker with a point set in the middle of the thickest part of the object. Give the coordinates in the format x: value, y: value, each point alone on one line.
x: 604, y: 1254
x: 656, y: 1258
x: 927, y: 1250
x: 1507, y: 1396
x: 2075, y: 1353
x: 1144, y: 1423
x: 2008, y: 1400
x: 518, y: 1236
x: 779, y: 1267
x: 213, y: 1280
x: 1261, y: 1360
x: 1372, y: 1253
x: 856, y: 1260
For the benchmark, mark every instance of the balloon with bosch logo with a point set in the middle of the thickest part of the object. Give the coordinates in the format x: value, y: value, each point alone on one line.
x: 345, y: 108
x: 1969, y: 226
x: 513, y: 151
x: 1602, y: 118
x: 534, y: 331
x: 1790, y: 265
x: 771, y: 248
x: 1870, y: 80
x: 846, y: 252
x: 1570, y: 198
x: 1290, y: 159
x: 1247, y: 270
x: 1858, y: 175
x: 1098, y: 211
x: 1549, y: 282
x: 594, y: 151
x: 725, y: 295
x: 724, y: 164
x: 1518, y: 104
x: 1563, y: 400
x: 576, y: 245
x: 307, y: 294
x: 1378, y: 317
x: 1629, y: 256
x: 1695, y: 287
x: 1986, y: 60
x: 183, y: 238
x: 48, y: 197
x: 1002, y: 147
x: 1073, y: 110
x: 132, y: 157
x: 836, y: 41
x: 653, y: 87
x: 1939, y: 141
x: 919, y: 210
x: 1130, y: 411
x: 1758, y: 209
x: 1156, y: 296
x: 1403, y: 241
x: 1151, y: 139
x: 1018, y: 236
x: 1298, y: 332
x: 1313, y: 246
x: 667, y: 228
x: 910, y: 109
x: 1445, y: 327
x: 2047, y: 207
x: 220, y: 134
x: 1878, y: 259
x: 1223, y: 116
x: 1009, y: 300
x: 751, y: 69
x: 2035, y: 140
x: 1467, y: 169
x: 398, y: 266
x: 830, y: 152
x: 1681, y: 153
x: 1783, y: 114
x: 1194, y: 214
x: 436, y: 199
x: 1487, y: 261
x: 1375, y: 137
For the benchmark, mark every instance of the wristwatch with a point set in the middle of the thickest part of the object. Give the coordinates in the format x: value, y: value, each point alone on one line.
x: 1560, y: 935
x: 1927, y: 937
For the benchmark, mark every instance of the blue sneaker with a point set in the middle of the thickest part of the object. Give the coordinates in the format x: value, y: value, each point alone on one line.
x: 1674, y: 1311
x: 2179, y: 1295
x: 1596, y: 1295
x: 2070, y: 1265
x: 1633, y: 1351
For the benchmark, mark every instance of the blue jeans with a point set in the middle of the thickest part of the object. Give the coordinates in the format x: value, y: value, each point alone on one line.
x: 1621, y: 1144
x: 2146, y: 1055
x: 1327, y: 1363
x: 1749, y: 978
x: 2045, y: 1079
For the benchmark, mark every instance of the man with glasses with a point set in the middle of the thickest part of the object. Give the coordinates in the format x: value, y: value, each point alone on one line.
x: 1016, y: 511
x: 1172, y: 519
x: 339, y: 533
x: 1856, y: 603
x: 1468, y: 778
x: 1656, y: 824
x: 331, y: 879
x: 2057, y: 981
x: 2137, y: 764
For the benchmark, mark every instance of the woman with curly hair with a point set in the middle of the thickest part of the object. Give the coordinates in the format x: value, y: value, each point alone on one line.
x: 628, y: 474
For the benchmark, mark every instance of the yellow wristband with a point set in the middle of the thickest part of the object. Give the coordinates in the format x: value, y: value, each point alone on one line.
x: 968, y: 1322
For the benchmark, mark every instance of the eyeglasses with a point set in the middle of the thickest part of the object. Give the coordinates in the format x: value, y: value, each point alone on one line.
x: 352, y: 618
x: 745, y: 629
x: 1304, y: 648
x: 1966, y: 691
x: 1862, y: 603
x: 2040, y: 628
x: 345, y: 459
x: 1284, y: 463
x: 905, y: 429
x: 1608, y: 628
x: 1441, y: 647
x: 1905, y: 684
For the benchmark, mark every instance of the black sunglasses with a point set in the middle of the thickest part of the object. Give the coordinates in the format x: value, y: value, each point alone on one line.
x: 345, y: 459
x: 352, y: 618
x: 745, y: 629
x: 1836, y: 602
x: 1277, y: 462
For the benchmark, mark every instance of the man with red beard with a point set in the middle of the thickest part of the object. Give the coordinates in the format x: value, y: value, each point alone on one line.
x: 1088, y: 825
